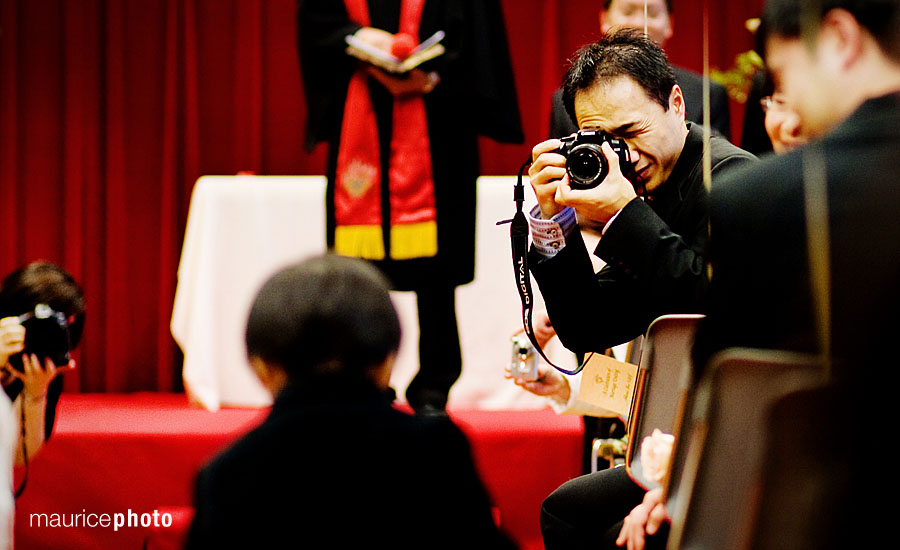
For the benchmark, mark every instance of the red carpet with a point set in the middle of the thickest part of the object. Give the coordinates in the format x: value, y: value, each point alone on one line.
x: 119, y: 458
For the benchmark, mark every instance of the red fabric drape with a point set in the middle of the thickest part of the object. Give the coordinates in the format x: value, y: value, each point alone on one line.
x: 111, y: 109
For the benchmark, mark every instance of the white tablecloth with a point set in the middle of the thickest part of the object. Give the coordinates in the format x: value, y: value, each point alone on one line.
x: 241, y: 229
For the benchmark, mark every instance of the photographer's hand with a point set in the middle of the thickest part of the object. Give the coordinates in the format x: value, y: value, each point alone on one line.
x: 602, y: 202
x: 550, y: 383
x: 12, y: 338
x: 36, y: 379
x: 32, y: 402
x: 547, y: 169
x: 543, y: 329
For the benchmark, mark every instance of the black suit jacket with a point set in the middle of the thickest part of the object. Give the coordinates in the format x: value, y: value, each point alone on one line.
x: 691, y: 86
x: 760, y: 294
x: 336, y: 466
x: 654, y: 251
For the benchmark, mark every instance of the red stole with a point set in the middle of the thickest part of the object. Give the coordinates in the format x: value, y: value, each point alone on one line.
x: 357, y: 193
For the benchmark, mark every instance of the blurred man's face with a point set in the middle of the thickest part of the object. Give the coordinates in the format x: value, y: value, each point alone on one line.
x: 801, y: 76
x: 630, y: 14
x: 654, y: 135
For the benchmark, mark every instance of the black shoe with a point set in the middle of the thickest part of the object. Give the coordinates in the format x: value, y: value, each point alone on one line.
x: 429, y: 409
x: 427, y: 402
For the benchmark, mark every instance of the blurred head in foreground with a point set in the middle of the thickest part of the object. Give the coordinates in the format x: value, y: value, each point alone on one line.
x: 828, y: 57
x: 327, y: 315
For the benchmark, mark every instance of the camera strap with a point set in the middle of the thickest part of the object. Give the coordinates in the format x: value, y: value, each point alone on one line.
x: 25, y: 463
x: 518, y: 235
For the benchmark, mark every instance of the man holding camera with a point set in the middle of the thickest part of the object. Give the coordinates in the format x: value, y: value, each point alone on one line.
x: 653, y: 221
x: 651, y: 210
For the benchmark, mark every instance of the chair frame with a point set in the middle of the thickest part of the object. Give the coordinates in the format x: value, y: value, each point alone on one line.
x: 663, y: 380
x: 707, y: 449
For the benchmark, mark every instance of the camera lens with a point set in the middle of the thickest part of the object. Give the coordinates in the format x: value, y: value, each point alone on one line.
x: 586, y: 166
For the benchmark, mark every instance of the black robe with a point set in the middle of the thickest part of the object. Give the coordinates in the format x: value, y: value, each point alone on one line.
x: 476, y: 96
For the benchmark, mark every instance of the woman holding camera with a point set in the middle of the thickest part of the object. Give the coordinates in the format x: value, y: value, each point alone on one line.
x: 31, y: 381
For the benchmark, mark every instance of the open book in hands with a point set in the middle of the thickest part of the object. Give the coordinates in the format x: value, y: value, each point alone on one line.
x: 429, y: 49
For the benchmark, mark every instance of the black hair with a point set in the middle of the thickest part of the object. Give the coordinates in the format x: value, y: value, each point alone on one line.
x: 796, y: 18
x: 625, y: 52
x: 326, y: 314
x: 608, y: 3
x: 43, y: 282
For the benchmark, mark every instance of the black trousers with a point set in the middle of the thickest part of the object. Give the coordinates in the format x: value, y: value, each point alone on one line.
x: 440, y: 357
x: 588, y: 511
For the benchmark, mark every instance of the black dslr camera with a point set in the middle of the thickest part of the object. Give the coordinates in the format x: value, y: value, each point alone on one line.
x: 46, y: 335
x: 585, y: 163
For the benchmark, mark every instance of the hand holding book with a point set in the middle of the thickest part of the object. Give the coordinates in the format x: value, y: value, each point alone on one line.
x: 392, y: 53
x: 413, y: 82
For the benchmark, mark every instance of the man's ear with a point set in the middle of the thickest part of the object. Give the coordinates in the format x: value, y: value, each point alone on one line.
x: 676, y: 100
x: 272, y: 376
x: 840, y: 40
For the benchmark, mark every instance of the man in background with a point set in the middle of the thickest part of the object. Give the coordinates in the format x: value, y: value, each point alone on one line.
x: 659, y: 24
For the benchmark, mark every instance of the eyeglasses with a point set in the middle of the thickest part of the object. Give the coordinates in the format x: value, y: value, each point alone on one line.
x: 772, y: 102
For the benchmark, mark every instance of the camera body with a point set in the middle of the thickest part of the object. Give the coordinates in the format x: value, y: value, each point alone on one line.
x: 523, y: 365
x: 585, y: 163
x: 46, y: 335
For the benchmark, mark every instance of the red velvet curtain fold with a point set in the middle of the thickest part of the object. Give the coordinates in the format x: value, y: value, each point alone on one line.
x: 111, y: 109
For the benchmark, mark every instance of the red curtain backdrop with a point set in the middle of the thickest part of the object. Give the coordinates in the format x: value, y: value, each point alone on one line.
x: 111, y: 109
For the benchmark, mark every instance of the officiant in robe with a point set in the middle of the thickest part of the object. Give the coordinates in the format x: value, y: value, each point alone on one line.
x: 403, y: 157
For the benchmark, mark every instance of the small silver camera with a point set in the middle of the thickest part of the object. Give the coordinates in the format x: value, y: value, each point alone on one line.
x: 524, y: 359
